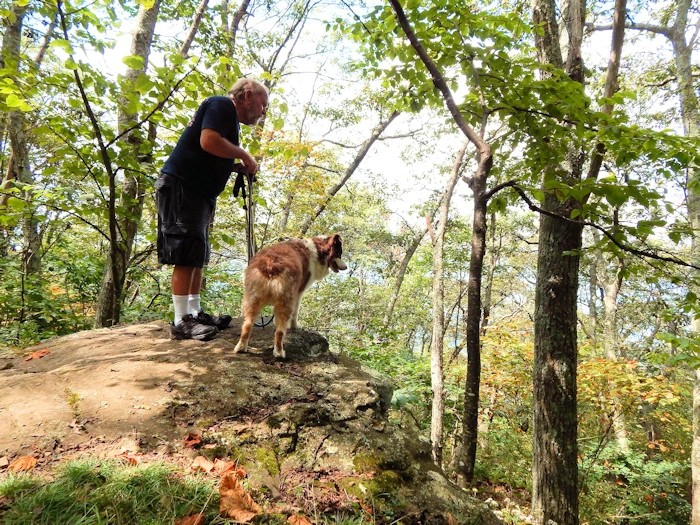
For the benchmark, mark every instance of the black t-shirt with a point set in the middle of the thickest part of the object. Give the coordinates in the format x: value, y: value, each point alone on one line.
x: 205, y: 173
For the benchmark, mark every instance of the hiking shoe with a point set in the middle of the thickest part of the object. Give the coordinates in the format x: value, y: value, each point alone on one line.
x: 190, y: 328
x: 220, y: 322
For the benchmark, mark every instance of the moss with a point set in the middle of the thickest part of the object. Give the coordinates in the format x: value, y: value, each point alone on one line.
x: 364, y: 463
x: 205, y: 423
x: 267, y: 459
x: 388, y: 482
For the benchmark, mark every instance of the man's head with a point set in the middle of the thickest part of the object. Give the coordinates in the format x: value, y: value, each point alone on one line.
x: 250, y: 98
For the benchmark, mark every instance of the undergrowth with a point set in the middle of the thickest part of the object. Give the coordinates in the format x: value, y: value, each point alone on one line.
x: 111, y: 493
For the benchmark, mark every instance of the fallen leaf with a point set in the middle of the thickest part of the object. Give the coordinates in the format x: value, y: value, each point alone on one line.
x: 23, y: 463
x: 236, y: 503
x: 37, y: 355
x: 222, y: 466
x: 134, y: 459
x: 197, y: 519
x: 298, y: 520
x: 192, y: 439
x: 202, y: 463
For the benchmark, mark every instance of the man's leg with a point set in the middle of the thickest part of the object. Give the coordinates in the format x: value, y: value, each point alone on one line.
x: 182, y: 284
x: 184, y: 280
x: 194, y: 301
x: 195, y: 308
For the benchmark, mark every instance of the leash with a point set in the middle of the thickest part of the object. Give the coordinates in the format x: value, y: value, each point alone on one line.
x: 243, y: 176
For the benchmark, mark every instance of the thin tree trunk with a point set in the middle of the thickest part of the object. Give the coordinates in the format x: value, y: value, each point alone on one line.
x: 690, y: 113
x: 593, y: 295
x: 488, y: 292
x: 194, y: 27
x: 473, y: 329
x: 108, y: 308
x: 20, y: 167
x: 485, y: 161
x: 401, y: 273
x: 438, y: 339
x: 233, y: 30
x: 610, y: 344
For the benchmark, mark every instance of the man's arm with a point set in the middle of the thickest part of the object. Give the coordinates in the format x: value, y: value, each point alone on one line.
x: 212, y: 142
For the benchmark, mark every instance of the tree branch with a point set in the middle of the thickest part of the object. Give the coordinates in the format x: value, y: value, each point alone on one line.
x: 639, y: 253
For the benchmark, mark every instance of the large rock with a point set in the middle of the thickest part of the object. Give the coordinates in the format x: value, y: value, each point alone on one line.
x: 313, y: 428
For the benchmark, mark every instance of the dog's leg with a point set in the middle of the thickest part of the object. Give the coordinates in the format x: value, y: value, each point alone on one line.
x: 250, y: 311
x: 282, y: 315
x: 294, y: 323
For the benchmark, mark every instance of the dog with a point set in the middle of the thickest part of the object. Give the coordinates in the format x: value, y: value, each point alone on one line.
x: 278, y: 275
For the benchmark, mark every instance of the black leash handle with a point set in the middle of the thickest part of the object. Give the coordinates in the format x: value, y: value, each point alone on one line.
x: 243, y: 178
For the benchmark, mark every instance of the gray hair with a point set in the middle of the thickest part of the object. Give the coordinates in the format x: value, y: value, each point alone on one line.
x: 242, y: 85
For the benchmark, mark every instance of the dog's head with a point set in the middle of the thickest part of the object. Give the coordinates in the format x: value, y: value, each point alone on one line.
x: 330, y: 250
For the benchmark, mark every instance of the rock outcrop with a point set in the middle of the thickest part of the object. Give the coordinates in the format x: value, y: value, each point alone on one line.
x: 312, y: 429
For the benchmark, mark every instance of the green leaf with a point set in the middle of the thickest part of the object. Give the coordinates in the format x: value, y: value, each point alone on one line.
x: 63, y: 44
x: 15, y: 203
x: 143, y: 83
x: 133, y: 61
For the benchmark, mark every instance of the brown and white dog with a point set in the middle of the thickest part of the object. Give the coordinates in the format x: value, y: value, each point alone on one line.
x: 279, y: 275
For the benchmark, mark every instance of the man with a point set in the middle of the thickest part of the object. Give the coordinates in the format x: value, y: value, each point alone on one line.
x: 192, y: 178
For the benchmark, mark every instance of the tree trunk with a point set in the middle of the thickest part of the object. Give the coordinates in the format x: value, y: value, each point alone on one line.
x: 470, y: 420
x: 691, y: 122
x: 438, y: 339
x: 555, y: 469
x: 493, y: 262
x: 555, y: 450
x: 610, y: 344
x: 108, y: 308
x: 401, y: 273
x: 19, y: 169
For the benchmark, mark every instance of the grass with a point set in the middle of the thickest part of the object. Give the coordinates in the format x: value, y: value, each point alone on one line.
x: 85, y: 492
x: 112, y: 493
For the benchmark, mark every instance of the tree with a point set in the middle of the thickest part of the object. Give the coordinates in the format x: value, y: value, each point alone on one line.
x: 437, y: 345
x: 676, y: 31
x: 123, y: 232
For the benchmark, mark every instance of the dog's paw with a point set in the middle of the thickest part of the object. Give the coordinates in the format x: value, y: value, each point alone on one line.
x: 239, y: 348
x: 279, y: 353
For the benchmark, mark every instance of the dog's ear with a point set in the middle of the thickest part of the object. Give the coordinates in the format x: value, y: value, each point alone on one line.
x: 337, y: 244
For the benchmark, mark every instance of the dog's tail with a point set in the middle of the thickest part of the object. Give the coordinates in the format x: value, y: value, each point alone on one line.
x: 267, y: 289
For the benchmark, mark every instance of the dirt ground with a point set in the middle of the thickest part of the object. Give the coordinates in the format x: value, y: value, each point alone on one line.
x: 112, y: 389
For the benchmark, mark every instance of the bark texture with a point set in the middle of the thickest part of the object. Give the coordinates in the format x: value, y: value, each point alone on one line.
x: 108, y: 308
x: 555, y: 450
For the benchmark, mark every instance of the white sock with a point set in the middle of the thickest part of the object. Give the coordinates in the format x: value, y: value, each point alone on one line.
x: 193, y: 303
x: 180, y: 303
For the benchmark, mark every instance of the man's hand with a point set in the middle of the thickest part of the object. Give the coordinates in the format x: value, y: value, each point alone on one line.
x: 250, y: 163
